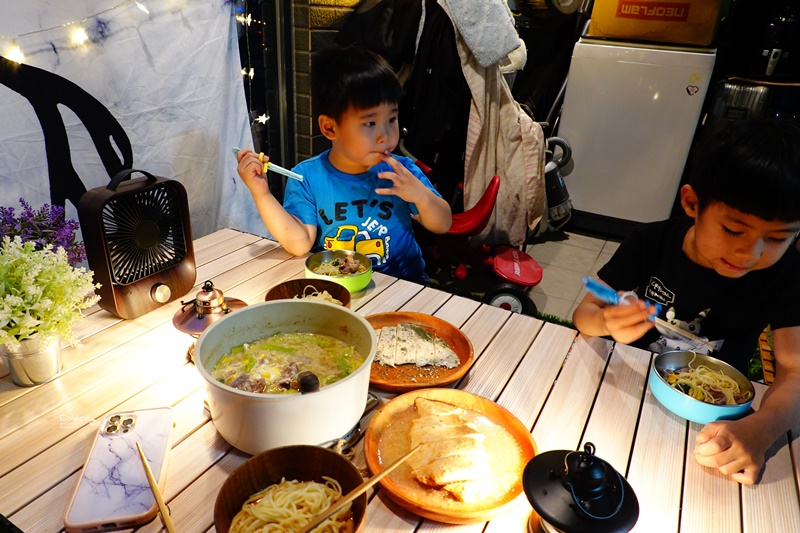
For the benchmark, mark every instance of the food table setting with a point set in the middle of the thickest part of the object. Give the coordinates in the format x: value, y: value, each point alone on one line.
x: 548, y: 387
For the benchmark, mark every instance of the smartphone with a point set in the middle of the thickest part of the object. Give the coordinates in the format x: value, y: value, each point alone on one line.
x: 113, y: 491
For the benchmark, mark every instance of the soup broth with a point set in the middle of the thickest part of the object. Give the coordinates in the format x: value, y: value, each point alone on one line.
x: 271, y: 364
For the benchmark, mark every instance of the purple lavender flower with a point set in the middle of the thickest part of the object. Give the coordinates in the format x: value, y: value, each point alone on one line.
x: 47, y: 225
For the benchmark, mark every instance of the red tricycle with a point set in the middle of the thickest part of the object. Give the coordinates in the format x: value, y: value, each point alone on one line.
x: 502, y: 273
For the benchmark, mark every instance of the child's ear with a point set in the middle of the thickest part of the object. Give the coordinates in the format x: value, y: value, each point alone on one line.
x: 689, y: 201
x: 327, y: 126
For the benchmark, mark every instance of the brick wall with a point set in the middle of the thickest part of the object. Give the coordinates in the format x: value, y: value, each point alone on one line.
x: 315, y: 23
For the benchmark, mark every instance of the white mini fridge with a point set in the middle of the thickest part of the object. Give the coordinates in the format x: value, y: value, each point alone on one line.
x: 630, y: 113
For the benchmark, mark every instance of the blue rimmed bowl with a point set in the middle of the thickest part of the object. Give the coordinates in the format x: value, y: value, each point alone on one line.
x: 684, y: 405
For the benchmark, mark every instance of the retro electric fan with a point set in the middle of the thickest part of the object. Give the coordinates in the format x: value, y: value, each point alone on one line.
x: 138, y: 242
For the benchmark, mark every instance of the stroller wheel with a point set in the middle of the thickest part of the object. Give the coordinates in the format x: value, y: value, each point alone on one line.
x: 510, y: 297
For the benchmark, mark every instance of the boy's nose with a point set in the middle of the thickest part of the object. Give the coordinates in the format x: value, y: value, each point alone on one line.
x: 752, y: 250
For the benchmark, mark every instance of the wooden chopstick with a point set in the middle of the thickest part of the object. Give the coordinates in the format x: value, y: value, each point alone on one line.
x: 355, y: 493
x: 156, y: 492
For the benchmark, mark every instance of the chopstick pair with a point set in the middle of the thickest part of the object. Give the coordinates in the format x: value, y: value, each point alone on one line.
x: 610, y: 296
x: 156, y: 492
x: 355, y: 493
x: 275, y: 168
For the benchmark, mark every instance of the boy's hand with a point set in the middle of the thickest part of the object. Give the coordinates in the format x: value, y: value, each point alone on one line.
x: 629, y: 322
x: 251, y: 170
x: 406, y: 185
x: 732, y: 447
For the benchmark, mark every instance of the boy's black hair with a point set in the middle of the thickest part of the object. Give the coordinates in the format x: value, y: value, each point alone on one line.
x: 352, y: 75
x: 752, y: 165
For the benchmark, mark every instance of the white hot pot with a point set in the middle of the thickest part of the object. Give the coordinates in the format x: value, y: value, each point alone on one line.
x: 254, y: 422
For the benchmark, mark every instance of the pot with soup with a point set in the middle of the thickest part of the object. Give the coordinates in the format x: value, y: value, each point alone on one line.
x: 286, y: 372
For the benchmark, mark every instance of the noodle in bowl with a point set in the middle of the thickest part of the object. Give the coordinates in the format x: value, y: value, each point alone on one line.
x: 280, y: 490
x: 684, y: 405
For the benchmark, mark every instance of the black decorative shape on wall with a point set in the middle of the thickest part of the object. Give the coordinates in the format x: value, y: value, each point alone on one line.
x: 45, y: 91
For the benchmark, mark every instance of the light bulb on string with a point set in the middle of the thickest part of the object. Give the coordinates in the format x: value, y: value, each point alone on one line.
x: 79, y: 35
x: 245, y: 20
x: 14, y: 53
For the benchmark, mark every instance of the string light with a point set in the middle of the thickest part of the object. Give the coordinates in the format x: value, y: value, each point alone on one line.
x: 77, y: 35
x: 262, y: 119
x: 15, y: 53
x: 245, y: 20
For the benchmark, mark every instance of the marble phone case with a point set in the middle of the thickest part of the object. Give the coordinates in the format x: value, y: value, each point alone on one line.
x: 113, y: 492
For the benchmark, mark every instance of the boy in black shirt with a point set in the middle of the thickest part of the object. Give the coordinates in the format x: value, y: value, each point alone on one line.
x: 724, y: 274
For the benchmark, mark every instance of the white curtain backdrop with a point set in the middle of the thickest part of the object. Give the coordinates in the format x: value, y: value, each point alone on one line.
x: 171, y: 77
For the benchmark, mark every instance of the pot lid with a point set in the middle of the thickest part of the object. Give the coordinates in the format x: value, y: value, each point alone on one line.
x: 577, y: 492
x: 209, y: 305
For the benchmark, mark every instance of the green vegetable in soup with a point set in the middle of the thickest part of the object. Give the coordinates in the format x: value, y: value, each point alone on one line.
x: 271, y: 364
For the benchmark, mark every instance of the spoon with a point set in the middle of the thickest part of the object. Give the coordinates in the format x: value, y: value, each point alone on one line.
x: 355, y: 493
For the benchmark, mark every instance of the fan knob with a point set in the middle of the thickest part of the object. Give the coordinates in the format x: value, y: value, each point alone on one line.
x: 160, y: 293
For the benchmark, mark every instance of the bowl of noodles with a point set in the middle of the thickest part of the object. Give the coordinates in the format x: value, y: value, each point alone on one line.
x: 352, y: 270
x: 282, y: 489
x: 699, y: 387
x: 310, y: 289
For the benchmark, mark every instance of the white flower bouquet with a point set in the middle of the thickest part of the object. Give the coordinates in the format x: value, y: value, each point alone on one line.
x: 41, y: 293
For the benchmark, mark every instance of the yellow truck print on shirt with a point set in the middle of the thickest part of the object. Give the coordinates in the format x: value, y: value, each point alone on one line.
x: 347, y: 238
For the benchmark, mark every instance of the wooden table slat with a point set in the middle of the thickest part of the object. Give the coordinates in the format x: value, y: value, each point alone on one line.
x: 527, y: 390
x: 656, y: 470
x: 613, y: 420
x: 489, y: 373
x: 563, y: 418
x: 704, y: 487
x: 775, y: 489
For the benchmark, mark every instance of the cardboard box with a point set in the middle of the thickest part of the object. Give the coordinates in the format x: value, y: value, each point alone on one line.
x: 692, y: 22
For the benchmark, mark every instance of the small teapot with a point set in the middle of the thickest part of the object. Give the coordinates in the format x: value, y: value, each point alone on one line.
x: 577, y: 492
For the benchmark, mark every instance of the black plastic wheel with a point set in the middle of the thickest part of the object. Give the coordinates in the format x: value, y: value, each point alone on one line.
x: 510, y: 297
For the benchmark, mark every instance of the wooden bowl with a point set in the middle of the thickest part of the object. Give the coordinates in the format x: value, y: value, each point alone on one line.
x: 302, y: 463
x: 430, y: 503
x: 294, y: 288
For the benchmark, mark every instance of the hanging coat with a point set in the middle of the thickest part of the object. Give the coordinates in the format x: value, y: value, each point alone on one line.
x: 501, y: 139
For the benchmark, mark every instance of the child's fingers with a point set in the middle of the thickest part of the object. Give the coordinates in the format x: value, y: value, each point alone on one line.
x: 241, y: 154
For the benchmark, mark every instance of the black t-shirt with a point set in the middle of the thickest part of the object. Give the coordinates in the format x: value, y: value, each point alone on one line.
x: 726, y: 311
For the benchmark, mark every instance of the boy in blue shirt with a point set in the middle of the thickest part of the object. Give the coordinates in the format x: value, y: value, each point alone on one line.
x: 724, y: 273
x: 355, y: 196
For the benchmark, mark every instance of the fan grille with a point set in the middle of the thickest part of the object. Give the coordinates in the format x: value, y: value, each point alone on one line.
x: 144, y: 234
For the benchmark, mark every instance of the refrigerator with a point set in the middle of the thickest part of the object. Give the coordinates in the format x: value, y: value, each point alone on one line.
x: 630, y: 113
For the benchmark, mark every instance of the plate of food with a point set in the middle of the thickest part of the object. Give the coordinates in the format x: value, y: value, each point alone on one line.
x: 470, y: 455
x: 416, y: 350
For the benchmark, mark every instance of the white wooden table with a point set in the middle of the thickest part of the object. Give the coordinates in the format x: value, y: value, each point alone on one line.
x: 568, y: 389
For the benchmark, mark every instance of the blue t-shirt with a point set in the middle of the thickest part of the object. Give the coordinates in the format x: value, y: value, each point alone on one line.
x: 350, y: 215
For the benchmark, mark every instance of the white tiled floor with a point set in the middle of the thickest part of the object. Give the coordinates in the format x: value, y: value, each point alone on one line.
x: 564, y: 263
